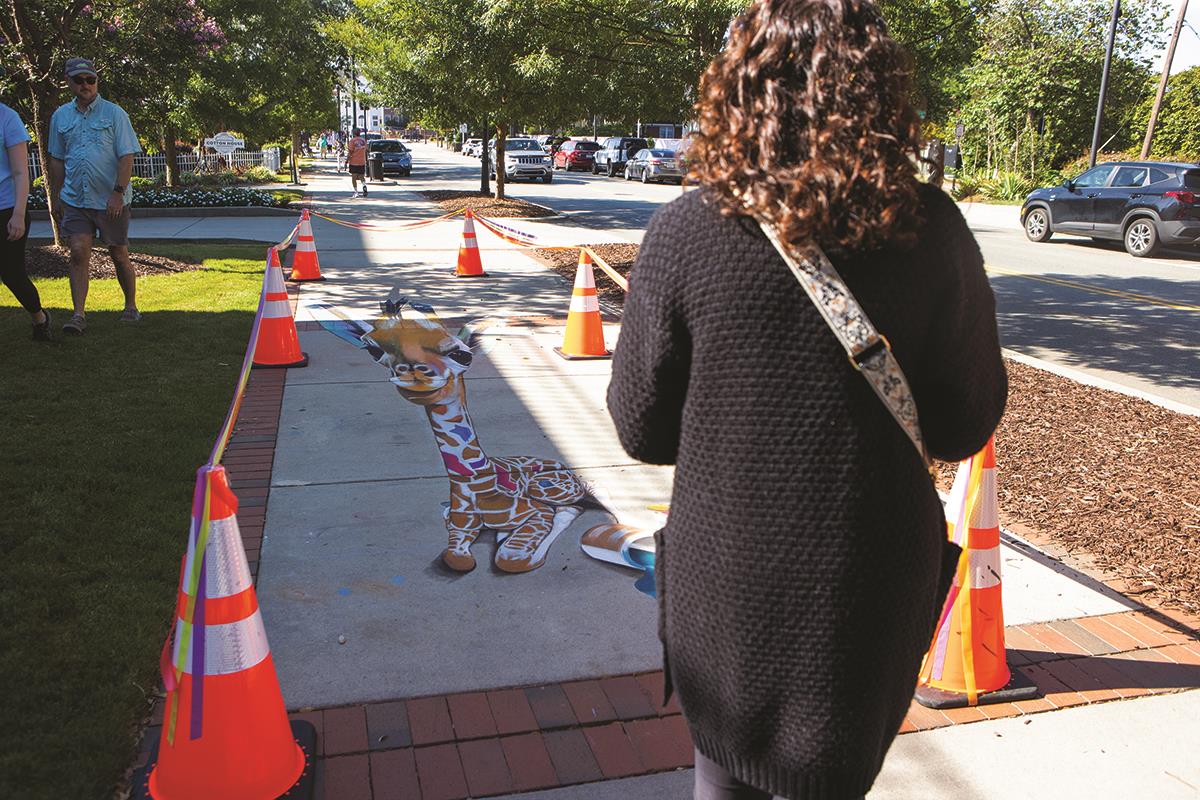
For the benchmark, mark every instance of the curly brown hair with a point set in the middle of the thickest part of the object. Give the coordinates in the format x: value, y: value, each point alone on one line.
x: 804, y: 118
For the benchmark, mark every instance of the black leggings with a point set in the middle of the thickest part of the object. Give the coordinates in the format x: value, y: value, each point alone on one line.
x: 12, y: 265
x: 713, y: 782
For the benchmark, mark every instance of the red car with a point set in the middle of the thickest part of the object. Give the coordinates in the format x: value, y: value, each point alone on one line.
x: 576, y: 155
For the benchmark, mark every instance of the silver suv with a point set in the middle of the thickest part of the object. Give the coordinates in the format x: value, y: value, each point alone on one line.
x: 523, y: 158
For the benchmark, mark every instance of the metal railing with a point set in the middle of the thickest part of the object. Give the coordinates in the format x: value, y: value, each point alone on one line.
x: 151, y: 166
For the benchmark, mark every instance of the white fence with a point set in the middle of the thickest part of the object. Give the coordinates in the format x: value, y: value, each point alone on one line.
x: 145, y: 166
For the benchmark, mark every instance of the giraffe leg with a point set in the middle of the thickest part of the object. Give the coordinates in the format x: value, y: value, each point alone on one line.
x: 463, y: 530
x: 526, y: 547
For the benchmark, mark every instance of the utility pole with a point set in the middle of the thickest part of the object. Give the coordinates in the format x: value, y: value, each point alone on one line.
x: 1112, y: 35
x: 353, y: 93
x: 1162, y: 83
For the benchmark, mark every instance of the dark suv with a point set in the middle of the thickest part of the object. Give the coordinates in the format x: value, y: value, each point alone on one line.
x: 1145, y: 204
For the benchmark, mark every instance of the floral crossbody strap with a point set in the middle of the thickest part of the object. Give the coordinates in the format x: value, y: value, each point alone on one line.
x: 868, y: 350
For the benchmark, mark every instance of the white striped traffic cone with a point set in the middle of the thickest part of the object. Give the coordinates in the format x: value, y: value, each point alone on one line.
x: 469, y: 264
x: 305, y: 266
x: 278, y: 343
x: 584, y: 337
x: 967, y: 662
x: 225, y: 728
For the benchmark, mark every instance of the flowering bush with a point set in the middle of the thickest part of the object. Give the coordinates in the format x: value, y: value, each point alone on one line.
x: 190, y: 198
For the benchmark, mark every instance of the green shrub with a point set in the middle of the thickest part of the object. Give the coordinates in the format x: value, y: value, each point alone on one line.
x: 965, y: 186
x: 190, y: 198
x: 259, y: 174
x: 1006, y: 186
x: 138, y: 182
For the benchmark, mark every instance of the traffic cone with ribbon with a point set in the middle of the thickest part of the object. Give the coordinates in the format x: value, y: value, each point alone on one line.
x: 305, y: 266
x: 225, y: 729
x: 584, y: 337
x: 277, y: 344
x: 469, y: 264
x: 966, y: 663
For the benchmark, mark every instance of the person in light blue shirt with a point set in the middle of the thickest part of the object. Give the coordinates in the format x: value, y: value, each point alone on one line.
x: 14, y: 219
x: 91, y: 147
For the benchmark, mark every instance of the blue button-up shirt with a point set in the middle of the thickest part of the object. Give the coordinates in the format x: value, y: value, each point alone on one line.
x: 90, y: 143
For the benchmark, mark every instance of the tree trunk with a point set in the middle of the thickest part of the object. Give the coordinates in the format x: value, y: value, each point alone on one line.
x: 501, y: 137
x: 171, y: 153
x: 295, y: 165
x: 43, y: 103
x: 484, y: 186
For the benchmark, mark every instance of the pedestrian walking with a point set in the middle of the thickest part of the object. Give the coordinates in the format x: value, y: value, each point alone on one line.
x: 356, y: 162
x: 805, y: 555
x: 14, y: 220
x: 91, y: 147
x: 323, y: 143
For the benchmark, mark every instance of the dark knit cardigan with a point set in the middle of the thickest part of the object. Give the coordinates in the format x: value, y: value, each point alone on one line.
x: 798, y: 567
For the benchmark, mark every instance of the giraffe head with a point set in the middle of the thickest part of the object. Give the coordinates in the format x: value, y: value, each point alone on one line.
x: 425, y: 360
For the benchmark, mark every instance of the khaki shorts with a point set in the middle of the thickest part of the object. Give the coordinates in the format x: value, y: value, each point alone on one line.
x: 86, y: 221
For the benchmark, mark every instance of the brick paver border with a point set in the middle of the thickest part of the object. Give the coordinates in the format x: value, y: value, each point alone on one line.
x: 518, y: 739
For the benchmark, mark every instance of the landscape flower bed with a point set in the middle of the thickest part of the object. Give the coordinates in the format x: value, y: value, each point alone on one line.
x: 186, y: 197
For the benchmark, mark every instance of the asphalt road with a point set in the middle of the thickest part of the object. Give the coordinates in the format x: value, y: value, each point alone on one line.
x: 1080, y: 304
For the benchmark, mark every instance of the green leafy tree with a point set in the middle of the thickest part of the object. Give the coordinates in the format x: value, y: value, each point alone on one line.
x: 136, y: 44
x: 1029, y: 97
x: 942, y: 36
x: 504, y: 63
x: 1177, y: 134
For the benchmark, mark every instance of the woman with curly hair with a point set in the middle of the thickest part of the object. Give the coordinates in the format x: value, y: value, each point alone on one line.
x: 798, y: 572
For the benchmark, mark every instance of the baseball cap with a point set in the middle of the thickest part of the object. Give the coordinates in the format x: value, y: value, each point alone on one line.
x: 80, y: 66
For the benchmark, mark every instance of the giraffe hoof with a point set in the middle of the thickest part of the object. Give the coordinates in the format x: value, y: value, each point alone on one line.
x: 518, y: 564
x: 459, y: 562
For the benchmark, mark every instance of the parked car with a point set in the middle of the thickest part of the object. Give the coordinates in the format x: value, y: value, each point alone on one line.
x: 397, y: 158
x: 575, y: 155
x: 614, y: 152
x: 471, y: 147
x: 524, y: 158
x: 653, y: 165
x: 552, y: 143
x: 1144, y: 204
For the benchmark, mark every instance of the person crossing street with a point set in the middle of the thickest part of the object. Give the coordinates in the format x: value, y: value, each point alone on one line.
x: 356, y: 161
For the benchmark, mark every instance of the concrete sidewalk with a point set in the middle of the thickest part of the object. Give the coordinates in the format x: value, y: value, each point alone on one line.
x: 427, y: 683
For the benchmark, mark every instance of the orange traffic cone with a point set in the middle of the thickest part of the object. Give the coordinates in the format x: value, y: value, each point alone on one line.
x: 305, y: 266
x: 469, y: 265
x: 966, y: 663
x: 584, y: 337
x: 278, y: 344
x: 225, y: 728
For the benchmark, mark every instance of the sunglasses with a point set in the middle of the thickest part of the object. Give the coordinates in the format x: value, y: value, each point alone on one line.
x: 80, y: 80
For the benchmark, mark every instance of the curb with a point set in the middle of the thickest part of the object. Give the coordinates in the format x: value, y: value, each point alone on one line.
x: 1101, y: 383
x: 42, y: 215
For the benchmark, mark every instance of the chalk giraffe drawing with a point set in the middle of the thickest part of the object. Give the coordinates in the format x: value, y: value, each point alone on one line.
x: 526, y: 501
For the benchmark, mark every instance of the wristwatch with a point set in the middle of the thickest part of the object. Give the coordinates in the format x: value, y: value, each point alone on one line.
x: 119, y: 189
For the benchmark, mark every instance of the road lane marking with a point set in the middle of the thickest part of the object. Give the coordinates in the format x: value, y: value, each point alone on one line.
x: 1141, y: 298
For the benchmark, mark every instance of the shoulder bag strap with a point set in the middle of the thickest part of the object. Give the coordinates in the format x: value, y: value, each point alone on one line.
x: 868, y: 350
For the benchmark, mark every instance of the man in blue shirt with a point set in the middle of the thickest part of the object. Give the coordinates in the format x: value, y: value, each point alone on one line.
x: 91, y: 148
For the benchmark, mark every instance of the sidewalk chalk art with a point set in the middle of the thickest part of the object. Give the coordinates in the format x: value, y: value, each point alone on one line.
x: 526, y: 501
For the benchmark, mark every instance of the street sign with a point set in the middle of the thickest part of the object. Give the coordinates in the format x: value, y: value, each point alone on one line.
x: 225, y: 143
x: 462, y: 128
x: 959, y: 130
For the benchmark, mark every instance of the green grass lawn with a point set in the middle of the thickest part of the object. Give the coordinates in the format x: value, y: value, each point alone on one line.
x: 102, y: 436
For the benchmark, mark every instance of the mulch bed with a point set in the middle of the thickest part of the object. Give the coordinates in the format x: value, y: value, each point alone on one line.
x: 1104, y: 475
x: 48, y: 261
x: 485, y: 204
x: 618, y: 256
x: 1107, y: 477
